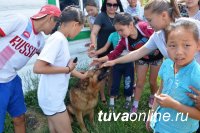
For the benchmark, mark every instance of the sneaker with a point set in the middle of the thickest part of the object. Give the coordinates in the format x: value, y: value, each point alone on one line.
x: 151, y: 99
x: 111, y: 109
x: 133, y: 111
x: 127, y: 104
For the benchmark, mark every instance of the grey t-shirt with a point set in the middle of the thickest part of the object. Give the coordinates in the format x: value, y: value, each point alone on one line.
x: 157, y: 40
x: 106, y: 24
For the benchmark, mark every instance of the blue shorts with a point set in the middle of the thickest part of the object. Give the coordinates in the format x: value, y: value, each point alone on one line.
x: 11, y: 100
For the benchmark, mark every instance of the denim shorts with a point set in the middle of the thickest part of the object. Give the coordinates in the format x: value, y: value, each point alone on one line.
x: 147, y: 63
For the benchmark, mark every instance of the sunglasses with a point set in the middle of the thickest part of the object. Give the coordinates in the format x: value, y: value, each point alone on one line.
x: 112, y: 5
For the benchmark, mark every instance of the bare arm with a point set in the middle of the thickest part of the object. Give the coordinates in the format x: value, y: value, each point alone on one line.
x: 93, y: 35
x: 42, y: 67
x: 103, y: 49
x: 167, y: 101
x: 132, y: 56
x: 78, y: 74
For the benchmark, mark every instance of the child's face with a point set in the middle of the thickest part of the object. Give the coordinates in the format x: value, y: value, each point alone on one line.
x: 157, y: 21
x: 192, y: 3
x: 123, y: 30
x: 181, y: 46
x: 132, y: 3
x: 92, y: 10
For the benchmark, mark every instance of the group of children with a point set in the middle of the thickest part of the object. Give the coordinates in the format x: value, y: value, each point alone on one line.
x: 177, y: 39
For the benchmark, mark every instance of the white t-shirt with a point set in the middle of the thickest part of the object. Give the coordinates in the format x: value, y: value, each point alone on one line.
x: 157, y: 40
x: 18, y: 45
x: 53, y: 87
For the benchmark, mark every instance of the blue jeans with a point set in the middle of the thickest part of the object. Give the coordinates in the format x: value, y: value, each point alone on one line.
x: 127, y: 71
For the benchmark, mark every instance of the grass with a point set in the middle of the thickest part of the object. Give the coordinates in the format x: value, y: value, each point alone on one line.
x: 36, y: 122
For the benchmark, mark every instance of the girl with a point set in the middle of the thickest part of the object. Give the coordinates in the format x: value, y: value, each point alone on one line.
x: 133, y: 37
x: 20, y: 39
x: 182, y: 71
x: 55, y: 66
x: 159, y: 14
x: 135, y: 9
x: 102, y: 28
x: 113, y: 39
x: 92, y: 10
x: 193, y: 9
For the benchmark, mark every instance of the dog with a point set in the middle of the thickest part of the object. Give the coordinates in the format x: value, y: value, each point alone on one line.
x: 84, y: 97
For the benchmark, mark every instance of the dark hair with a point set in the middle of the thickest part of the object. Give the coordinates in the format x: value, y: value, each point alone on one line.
x: 91, y: 3
x: 103, y: 8
x: 123, y: 18
x: 72, y: 13
x: 186, y: 23
x: 158, y: 6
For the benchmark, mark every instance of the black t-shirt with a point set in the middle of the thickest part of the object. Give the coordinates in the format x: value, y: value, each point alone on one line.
x: 106, y: 24
x: 139, y: 42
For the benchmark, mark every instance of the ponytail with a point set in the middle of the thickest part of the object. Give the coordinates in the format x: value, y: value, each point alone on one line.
x: 158, y: 6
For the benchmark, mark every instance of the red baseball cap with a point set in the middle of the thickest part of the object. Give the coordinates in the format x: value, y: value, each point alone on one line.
x: 47, y: 10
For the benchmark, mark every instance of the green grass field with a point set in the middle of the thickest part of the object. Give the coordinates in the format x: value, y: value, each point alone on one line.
x: 37, y: 123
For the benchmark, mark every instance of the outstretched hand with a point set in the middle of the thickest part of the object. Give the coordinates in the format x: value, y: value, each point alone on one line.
x: 95, y: 62
x: 92, y: 53
x: 108, y: 64
x: 195, y: 97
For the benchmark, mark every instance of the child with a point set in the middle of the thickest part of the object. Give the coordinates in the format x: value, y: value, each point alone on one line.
x: 182, y: 71
x: 54, y: 65
x: 103, y: 27
x: 113, y: 39
x: 92, y: 10
x: 193, y: 9
x: 133, y: 37
x: 135, y: 9
x: 20, y: 39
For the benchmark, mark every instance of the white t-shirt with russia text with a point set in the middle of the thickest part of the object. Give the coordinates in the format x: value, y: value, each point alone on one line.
x: 18, y: 45
x: 53, y: 87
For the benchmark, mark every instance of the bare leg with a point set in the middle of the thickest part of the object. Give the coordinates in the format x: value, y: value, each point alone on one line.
x: 141, y: 78
x: 153, y: 78
x: 60, y: 123
x: 19, y: 124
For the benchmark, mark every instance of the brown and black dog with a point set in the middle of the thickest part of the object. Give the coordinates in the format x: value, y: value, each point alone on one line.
x: 84, y: 97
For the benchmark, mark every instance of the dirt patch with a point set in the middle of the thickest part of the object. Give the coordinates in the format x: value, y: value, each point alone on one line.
x: 35, y: 122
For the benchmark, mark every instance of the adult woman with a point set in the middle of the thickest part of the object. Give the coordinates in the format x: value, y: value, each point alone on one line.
x: 103, y: 26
